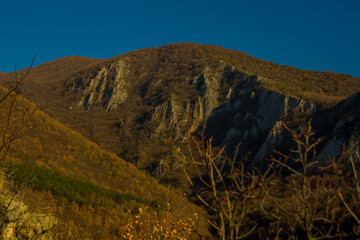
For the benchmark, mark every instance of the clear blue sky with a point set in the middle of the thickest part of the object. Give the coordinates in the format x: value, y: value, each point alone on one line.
x: 308, y: 34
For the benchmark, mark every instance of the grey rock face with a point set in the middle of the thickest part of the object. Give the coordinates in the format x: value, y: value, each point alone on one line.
x: 19, y: 223
x: 236, y: 107
x: 107, y: 87
x: 14, y: 210
x: 254, y: 118
x: 338, y: 125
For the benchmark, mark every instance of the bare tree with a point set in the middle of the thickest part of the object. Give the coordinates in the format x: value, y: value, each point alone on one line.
x: 232, y: 190
x: 305, y: 206
x: 222, y: 185
x: 15, y: 115
x: 16, y: 120
x: 352, y: 203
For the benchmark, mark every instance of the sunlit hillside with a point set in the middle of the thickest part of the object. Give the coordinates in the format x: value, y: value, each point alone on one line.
x: 62, y: 171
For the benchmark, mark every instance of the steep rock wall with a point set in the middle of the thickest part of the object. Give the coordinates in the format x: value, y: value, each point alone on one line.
x: 106, y: 87
x: 236, y: 106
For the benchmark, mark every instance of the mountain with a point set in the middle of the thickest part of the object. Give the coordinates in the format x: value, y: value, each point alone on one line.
x: 58, y: 171
x: 131, y: 104
x: 139, y: 107
x: 342, y: 126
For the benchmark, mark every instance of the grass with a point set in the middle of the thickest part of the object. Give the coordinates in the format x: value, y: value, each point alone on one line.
x: 81, y: 193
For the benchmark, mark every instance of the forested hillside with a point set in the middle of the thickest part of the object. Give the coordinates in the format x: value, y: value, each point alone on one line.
x: 266, y: 149
x: 57, y: 171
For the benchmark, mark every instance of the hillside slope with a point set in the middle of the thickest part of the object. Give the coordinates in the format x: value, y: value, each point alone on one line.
x: 131, y: 104
x: 66, y: 170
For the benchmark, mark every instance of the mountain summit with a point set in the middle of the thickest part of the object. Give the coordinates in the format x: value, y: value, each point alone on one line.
x: 146, y: 105
x: 126, y: 102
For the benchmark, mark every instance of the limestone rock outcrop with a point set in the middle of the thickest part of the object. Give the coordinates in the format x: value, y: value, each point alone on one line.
x: 17, y: 222
x: 234, y: 105
x: 106, y: 87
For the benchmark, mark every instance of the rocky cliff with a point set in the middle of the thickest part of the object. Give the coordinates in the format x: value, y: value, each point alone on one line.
x: 18, y: 222
x: 131, y: 101
x: 339, y: 125
x: 235, y: 106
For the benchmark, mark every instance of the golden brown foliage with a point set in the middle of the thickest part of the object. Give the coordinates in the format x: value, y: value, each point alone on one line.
x: 156, y: 225
x: 52, y: 146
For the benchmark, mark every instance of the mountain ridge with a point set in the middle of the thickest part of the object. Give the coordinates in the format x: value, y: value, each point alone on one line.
x: 139, y: 104
x: 249, y: 63
x: 122, y: 102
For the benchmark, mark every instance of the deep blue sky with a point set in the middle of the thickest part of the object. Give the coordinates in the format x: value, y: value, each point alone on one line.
x: 308, y: 34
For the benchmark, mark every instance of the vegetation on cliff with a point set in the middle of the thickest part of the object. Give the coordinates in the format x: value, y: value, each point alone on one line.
x: 137, y: 106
